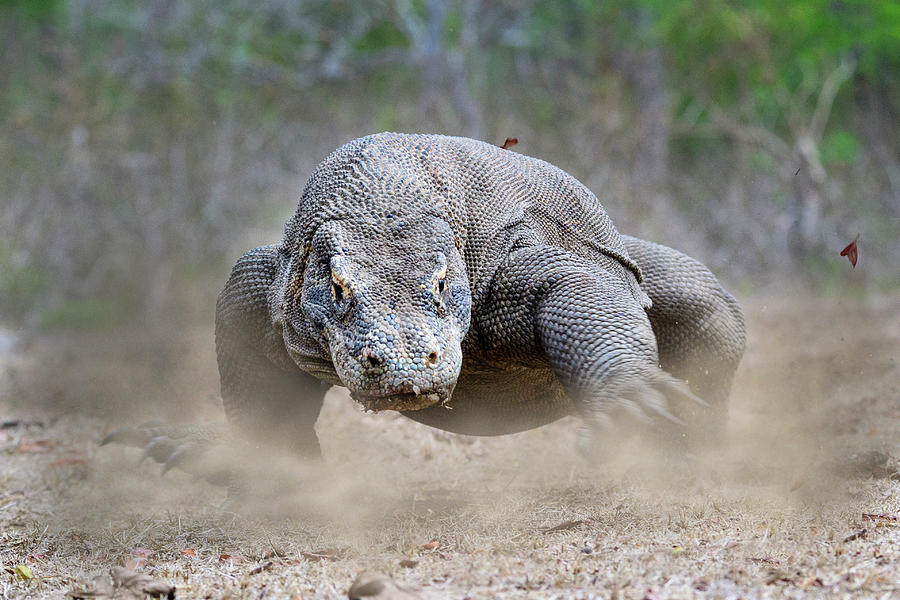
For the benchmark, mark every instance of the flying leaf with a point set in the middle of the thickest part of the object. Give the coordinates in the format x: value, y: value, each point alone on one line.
x: 509, y: 143
x: 851, y: 251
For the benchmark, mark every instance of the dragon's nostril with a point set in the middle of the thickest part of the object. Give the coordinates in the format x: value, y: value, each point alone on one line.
x: 373, y: 361
x: 432, y: 357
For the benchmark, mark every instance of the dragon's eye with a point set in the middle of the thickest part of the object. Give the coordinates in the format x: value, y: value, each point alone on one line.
x: 439, y: 284
x: 339, y: 288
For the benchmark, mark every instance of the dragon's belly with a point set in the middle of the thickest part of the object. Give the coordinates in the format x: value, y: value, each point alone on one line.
x: 496, y: 402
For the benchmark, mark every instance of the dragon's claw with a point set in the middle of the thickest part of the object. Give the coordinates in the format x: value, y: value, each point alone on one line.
x: 186, y: 448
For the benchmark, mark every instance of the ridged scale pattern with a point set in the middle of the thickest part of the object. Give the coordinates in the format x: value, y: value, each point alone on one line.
x: 476, y: 289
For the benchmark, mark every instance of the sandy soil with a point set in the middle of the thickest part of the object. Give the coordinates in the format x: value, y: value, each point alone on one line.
x: 786, y: 508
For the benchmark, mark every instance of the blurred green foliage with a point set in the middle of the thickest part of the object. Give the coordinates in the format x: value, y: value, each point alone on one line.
x: 772, y: 57
x: 840, y: 148
x: 145, y: 143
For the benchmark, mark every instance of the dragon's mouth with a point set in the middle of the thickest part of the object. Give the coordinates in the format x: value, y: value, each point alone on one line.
x: 402, y: 401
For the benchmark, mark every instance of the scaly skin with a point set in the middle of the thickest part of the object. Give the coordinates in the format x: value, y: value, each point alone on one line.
x: 473, y: 289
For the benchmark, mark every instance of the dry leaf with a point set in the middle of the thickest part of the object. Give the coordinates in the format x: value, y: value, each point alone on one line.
x: 327, y: 554
x: 564, y: 526
x: 882, y: 516
x: 855, y: 535
x: 140, y: 558
x: 189, y: 552
x: 233, y: 558
x: 509, y: 143
x: 263, y: 567
x: 851, y: 251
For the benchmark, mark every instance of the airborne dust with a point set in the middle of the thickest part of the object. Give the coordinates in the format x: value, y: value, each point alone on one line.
x: 777, y: 504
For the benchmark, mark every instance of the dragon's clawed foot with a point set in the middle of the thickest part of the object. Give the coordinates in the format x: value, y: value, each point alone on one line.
x: 658, y: 403
x: 186, y: 447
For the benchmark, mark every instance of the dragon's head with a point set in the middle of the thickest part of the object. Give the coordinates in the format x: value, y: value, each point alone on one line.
x: 391, y: 304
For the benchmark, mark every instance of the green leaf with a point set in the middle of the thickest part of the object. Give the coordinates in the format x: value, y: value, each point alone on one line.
x: 24, y: 571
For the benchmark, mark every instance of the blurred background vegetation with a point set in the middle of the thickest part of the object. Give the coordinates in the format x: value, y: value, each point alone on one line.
x: 146, y: 144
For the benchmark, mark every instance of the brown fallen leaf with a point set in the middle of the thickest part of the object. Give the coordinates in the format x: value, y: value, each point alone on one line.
x: 263, y: 567
x: 851, y: 251
x: 189, y: 552
x: 375, y: 586
x: 811, y: 581
x: 779, y: 576
x: 409, y: 564
x: 509, y: 143
x: 140, y: 558
x: 856, y: 535
x: 432, y: 545
x: 232, y: 558
x: 564, y: 526
x: 894, y: 518
x: 327, y: 554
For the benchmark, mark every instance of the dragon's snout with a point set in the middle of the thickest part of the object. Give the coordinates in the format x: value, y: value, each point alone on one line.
x: 385, y: 378
x: 375, y: 360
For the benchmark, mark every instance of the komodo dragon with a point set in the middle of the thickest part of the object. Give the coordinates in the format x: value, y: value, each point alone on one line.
x: 471, y: 288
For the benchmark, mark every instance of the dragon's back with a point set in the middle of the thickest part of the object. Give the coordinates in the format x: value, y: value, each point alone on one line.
x: 495, y: 200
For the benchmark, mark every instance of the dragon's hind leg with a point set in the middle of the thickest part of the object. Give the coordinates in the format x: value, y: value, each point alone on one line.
x: 699, y: 328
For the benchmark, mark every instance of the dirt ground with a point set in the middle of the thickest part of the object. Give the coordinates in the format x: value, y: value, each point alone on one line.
x: 794, y: 505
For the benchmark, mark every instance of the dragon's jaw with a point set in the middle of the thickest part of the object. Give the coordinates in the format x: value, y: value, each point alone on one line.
x: 404, y: 401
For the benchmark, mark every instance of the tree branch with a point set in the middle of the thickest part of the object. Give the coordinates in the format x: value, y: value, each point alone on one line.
x: 830, y: 88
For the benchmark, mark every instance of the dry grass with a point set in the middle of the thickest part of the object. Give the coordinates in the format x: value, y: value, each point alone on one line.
x: 765, y: 516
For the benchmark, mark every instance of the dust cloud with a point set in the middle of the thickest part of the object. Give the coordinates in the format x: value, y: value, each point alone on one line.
x: 780, y: 447
x: 790, y: 478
